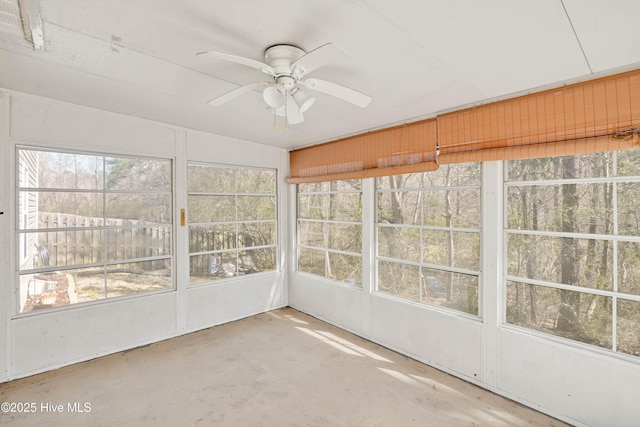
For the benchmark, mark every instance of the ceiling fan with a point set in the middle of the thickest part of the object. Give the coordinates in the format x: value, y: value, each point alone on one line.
x: 287, y: 66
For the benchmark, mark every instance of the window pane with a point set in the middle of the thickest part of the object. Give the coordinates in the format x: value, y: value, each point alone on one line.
x: 311, y: 261
x: 256, y: 181
x: 256, y: 207
x: 216, y: 237
x: 400, y: 243
x: 312, y: 206
x: 452, y: 248
x: 138, y: 277
x: 154, y: 208
x: 129, y: 174
x: 456, y: 175
x: 586, y: 208
x: 256, y: 234
x: 452, y: 208
x: 57, y: 210
x: 452, y: 290
x: 138, y: 242
x: 400, y: 207
x: 401, y: 280
x: 64, y: 248
x: 586, y: 262
x: 628, y: 212
x: 578, y: 316
x: 345, y: 207
x: 593, y: 165
x: 345, y: 268
x: 212, y: 209
x: 63, y: 170
x: 205, y: 268
x: 311, y: 233
x: 628, y: 327
x: 629, y: 267
x: 256, y: 260
x: 345, y: 237
x: 629, y: 163
x: 210, y: 179
x: 410, y: 180
x: 314, y: 187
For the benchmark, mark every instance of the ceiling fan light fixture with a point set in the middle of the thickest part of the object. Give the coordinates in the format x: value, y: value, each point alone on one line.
x: 303, y: 100
x: 273, y: 97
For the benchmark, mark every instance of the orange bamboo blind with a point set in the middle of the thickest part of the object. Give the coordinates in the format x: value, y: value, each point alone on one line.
x: 398, y: 150
x: 599, y: 115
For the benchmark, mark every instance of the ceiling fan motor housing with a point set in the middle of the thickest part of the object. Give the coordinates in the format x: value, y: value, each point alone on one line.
x: 280, y: 57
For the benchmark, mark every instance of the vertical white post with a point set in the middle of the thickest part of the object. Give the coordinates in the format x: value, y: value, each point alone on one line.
x: 491, y: 293
x: 7, y: 273
x: 368, y: 250
x: 181, y: 243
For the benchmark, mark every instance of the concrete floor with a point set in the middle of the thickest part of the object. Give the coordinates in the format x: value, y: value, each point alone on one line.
x: 281, y: 368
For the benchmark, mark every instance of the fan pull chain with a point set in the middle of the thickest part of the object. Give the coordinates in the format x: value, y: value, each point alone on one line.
x: 275, y: 120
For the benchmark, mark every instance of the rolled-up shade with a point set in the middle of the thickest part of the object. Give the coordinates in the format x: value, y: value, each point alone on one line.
x: 598, y: 115
x: 402, y: 149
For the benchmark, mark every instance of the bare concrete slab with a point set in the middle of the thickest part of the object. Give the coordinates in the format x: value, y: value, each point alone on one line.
x: 281, y: 368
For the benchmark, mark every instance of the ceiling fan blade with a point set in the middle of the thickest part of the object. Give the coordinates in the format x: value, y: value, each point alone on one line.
x: 234, y: 93
x: 294, y: 116
x: 318, y: 57
x: 334, y: 89
x: 261, y: 66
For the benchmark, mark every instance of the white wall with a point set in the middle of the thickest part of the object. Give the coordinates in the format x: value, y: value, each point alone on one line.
x: 35, y: 342
x: 570, y: 381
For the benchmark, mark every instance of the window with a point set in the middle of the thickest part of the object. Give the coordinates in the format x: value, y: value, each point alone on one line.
x: 572, y: 232
x: 94, y: 226
x: 232, y: 221
x: 428, y: 236
x: 330, y: 230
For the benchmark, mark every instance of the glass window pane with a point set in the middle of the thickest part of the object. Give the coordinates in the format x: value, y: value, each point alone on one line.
x: 314, y: 187
x: 585, y: 262
x: 256, y: 260
x: 628, y: 212
x: 595, y: 165
x: 452, y: 208
x: 345, y: 237
x: 629, y: 267
x: 205, y: 268
x: 628, y: 162
x: 345, y: 207
x: 216, y: 237
x: 456, y: 175
x: 401, y: 280
x: 256, y: 207
x: 256, y: 181
x: 452, y: 290
x: 574, y: 315
x: 587, y: 208
x: 138, y: 277
x: 211, y: 209
x: 393, y: 182
x: 345, y: 268
x: 129, y: 174
x: 628, y: 327
x: 210, y: 179
x: 400, y: 207
x: 451, y: 248
x: 311, y: 233
x: 153, y: 208
x: 312, y: 206
x: 60, y: 288
x: 61, y: 170
x: 256, y: 234
x: 63, y: 248
x: 58, y: 210
x: 400, y: 243
x: 311, y: 261
x: 137, y: 242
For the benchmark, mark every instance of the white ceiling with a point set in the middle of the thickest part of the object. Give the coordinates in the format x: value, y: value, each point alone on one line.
x: 414, y: 58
